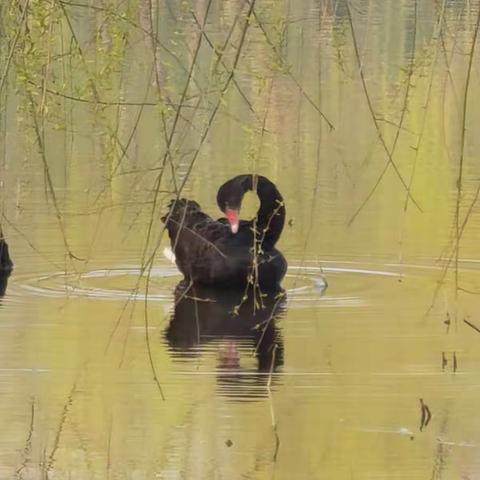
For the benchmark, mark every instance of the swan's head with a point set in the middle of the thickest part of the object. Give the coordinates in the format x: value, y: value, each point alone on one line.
x: 230, y: 196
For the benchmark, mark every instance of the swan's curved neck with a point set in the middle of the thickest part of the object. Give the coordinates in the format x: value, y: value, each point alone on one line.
x: 271, y: 214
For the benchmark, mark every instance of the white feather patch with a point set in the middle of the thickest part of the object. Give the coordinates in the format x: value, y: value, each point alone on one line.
x: 168, y: 254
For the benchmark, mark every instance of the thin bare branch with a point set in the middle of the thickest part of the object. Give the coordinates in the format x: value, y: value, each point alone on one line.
x: 390, y: 161
x: 462, y: 149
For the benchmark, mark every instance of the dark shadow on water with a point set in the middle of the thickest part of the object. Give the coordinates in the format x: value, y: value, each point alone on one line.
x: 245, y: 336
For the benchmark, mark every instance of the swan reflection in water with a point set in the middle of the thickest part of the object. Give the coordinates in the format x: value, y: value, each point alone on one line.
x: 242, y: 331
x: 3, y: 283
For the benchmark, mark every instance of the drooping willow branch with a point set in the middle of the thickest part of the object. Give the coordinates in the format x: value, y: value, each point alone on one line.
x: 462, y: 150
x: 381, y: 138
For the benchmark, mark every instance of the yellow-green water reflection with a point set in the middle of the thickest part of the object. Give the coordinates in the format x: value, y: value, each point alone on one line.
x: 89, y: 105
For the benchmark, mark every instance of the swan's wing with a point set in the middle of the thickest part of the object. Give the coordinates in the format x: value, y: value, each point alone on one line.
x: 193, y: 233
x: 205, y: 249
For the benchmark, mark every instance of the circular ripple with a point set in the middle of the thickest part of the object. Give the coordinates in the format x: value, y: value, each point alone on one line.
x: 337, y: 285
x: 348, y: 285
x: 104, y: 284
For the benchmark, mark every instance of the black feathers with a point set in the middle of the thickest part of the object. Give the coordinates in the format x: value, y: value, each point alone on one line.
x: 208, y: 253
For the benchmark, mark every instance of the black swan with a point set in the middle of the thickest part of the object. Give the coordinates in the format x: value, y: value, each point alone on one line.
x: 230, y: 253
x: 6, y: 264
x: 205, y: 318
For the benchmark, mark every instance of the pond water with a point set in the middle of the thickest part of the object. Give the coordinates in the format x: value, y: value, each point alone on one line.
x: 365, y: 115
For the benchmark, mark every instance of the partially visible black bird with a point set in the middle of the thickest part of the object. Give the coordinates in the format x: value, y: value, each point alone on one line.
x: 6, y: 264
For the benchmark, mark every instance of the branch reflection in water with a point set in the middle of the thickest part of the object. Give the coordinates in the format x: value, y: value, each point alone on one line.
x: 238, y: 328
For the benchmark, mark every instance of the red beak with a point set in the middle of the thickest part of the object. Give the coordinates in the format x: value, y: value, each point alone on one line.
x: 232, y: 217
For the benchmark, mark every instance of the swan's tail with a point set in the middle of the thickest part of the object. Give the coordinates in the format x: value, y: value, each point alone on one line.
x: 180, y: 208
x: 182, y: 213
